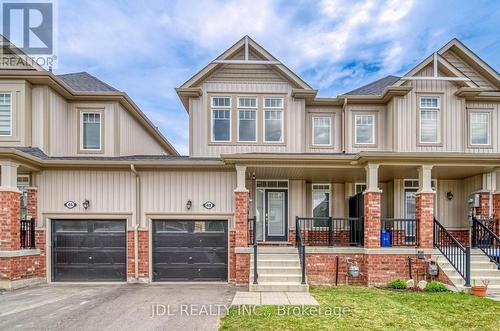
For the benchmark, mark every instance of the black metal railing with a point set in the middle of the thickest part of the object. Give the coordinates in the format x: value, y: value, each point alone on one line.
x: 332, y: 231
x: 398, y: 232
x: 486, y: 240
x: 455, y: 253
x: 251, y: 237
x: 299, y: 243
x: 27, y: 233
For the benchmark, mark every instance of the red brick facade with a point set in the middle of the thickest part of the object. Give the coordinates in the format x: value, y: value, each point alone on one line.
x: 322, y: 269
x: 9, y: 221
x: 242, y: 268
x: 22, y: 267
x: 461, y: 235
x: 241, y: 218
x: 424, y: 205
x: 496, y: 211
x: 372, y: 214
x: 483, y: 211
x: 143, y: 251
x: 32, y: 202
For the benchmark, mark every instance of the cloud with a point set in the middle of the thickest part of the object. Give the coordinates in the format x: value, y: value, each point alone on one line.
x: 148, y: 48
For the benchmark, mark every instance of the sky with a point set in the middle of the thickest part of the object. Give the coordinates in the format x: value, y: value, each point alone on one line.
x: 148, y: 48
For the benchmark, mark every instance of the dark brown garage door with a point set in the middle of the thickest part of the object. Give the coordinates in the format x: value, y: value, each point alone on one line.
x: 89, y: 250
x: 190, y: 250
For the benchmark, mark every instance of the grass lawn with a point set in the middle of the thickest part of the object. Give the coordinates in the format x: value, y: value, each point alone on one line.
x: 374, y: 309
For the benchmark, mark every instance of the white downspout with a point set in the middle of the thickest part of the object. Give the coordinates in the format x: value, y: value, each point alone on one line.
x: 137, y: 220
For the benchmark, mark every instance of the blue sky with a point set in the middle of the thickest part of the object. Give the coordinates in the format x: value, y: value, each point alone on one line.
x: 147, y: 48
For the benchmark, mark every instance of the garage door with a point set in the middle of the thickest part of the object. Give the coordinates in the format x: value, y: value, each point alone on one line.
x: 89, y: 250
x: 190, y: 250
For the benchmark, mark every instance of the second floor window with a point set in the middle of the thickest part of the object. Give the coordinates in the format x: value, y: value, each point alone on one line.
x: 221, y: 119
x: 321, y: 130
x: 479, y: 128
x: 5, y: 114
x: 273, y: 119
x: 247, y: 119
x: 91, y: 131
x: 429, y: 120
x: 365, y: 129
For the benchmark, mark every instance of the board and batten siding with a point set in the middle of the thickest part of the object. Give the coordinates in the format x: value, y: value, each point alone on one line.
x: 109, y: 192
x: 167, y: 192
x: 20, y: 92
x: 452, y: 116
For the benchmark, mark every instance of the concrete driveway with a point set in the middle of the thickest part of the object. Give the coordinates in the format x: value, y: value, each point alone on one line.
x: 115, y: 307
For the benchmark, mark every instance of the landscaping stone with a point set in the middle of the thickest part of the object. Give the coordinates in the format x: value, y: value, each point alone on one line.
x: 410, y: 283
x: 422, y: 284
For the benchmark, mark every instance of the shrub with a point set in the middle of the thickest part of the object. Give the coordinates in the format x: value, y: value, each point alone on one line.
x: 435, y: 286
x: 397, y: 284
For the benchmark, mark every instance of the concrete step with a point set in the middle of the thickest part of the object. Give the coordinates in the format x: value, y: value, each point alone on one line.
x: 279, y: 278
x: 276, y: 270
x: 277, y: 264
x: 459, y: 280
x: 473, y: 258
x: 278, y: 287
x: 474, y: 264
x: 474, y: 272
x: 275, y: 257
x: 276, y: 250
x: 461, y: 287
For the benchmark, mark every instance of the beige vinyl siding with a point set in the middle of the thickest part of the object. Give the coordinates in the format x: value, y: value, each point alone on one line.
x: 451, y: 213
x: 20, y: 92
x: 336, y: 126
x: 133, y: 138
x: 297, y: 201
x: 340, y: 205
x: 107, y: 191
x: 248, y: 72
x: 167, y: 192
x: 200, y: 114
x: 40, y: 116
x: 452, y: 116
x: 60, y: 125
x: 467, y: 70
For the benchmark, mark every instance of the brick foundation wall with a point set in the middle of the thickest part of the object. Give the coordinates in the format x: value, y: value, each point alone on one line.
x: 143, y: 251
x: 372, y: 214
x: 9, y: 221
x: 461, y: 235
x: 32, y: 202
x: 21, y: 267
x: 322, y: 269
x: 496, y: 211
x: 424, y: 206
x: 242, y: 268
x: 382, y: 269
x: 483, y: 211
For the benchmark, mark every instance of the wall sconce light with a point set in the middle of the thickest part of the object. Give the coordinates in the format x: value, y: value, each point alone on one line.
x: 253, y: 175
x: 86, y: 204
x: 189, y: 204
x: 449, y: 195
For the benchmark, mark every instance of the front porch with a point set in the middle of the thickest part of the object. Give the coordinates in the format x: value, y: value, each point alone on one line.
x: 381, y: 215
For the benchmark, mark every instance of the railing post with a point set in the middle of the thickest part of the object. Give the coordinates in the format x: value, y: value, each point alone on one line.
x: 474, y: 233
x: 467, y: 266
x: 303, y: 264
x: 32, y: 233
x: 255, y: 263
x: 330, y: 230
x: 297, y: 229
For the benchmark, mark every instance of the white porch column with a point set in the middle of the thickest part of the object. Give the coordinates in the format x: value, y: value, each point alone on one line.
x: 8, y: 179
x: 425, y: 179
x: 372, y: 178
x: 241, y: 178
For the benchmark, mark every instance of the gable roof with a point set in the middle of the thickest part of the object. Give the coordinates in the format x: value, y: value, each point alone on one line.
x: 374, y: 88
x: 85, y: 82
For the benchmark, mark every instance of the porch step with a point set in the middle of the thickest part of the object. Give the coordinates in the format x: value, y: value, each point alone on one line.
x: 278, y: 287
x: 276, y: 270
x: 276, y: 263
x: 474, y: 272
x: 275, y: 257
x: 281, y: 278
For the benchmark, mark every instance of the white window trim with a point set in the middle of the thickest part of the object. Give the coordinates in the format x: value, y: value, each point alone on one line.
x: 255, y: 109
x: 23, y: 176
x: 359, y: 184
x: 329, y: 133
x: 329, y: 191
x: 356, y: 131
x: 100, y: 131
x: 488, y: 143
x: 11, y: 119
x: 280, y: 109
x: 438, y: 118
x: 212, y: 108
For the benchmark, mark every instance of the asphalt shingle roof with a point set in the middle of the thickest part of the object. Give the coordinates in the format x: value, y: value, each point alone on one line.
x: 85, y: 82
x: 374, y: 88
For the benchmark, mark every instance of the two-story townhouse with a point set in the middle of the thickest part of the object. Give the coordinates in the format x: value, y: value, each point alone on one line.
x: 382, y: 177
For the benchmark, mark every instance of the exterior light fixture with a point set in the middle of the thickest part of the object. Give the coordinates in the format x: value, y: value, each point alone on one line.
x: 449, y: 195
x: 189, y: 204
x: 253, y: 175
x: 86, y: 204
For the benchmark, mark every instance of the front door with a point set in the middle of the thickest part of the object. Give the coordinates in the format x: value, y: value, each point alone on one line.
x: 276, y: 222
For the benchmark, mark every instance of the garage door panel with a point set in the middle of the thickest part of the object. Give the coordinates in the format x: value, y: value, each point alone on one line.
x: 88, y: 255
x: 190, y: 250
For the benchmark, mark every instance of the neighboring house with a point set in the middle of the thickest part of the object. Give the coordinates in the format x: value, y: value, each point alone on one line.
x: 113, y: 201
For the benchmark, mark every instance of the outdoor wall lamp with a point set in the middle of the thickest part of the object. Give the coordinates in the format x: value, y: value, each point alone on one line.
x: 449, y: 195
x: 189, y: 204
x: 86, y: 204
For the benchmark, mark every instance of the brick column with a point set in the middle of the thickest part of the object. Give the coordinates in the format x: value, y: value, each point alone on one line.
x: 32, y: 203
x: 372, y: 214
x: 496, y: 212
x: 483, y: 211
x: 424, y: 205
x: 10, y: 204
x: 241, y: 218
